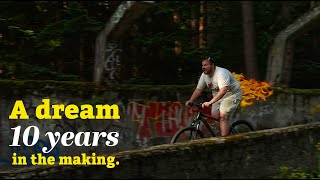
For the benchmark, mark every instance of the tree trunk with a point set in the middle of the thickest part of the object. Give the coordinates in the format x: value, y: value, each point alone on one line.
x: 177, y: 42
x: 249, y: 40
x: 82, y: 57
x: 194, y: 26
x: 65, y: 4
x: 210, y: 23
x: 202, y: 25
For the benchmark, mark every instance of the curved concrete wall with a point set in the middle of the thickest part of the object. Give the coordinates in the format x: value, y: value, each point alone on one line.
x: 257, y: 154
x: 149, y: 115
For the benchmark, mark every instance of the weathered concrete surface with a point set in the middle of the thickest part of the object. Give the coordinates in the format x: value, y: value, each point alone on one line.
x: 117, y: 24
x: 256, y: 154
x: 278, y: 50
x: 286, y: 107
x: 149, y: 115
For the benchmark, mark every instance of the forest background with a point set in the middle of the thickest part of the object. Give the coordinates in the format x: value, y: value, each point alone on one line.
x: 55, y: 40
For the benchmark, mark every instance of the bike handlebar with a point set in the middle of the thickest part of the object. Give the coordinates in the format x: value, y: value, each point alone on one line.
x: 199, y: 105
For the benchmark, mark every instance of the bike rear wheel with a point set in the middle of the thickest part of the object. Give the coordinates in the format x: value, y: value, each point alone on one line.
x: 187, y: 134
x: 241, y: 126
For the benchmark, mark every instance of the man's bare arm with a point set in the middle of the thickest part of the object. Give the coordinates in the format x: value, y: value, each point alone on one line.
x: 216, y: 98
x: 196, y: 93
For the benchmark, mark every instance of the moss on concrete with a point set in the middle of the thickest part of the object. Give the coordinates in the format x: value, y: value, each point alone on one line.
x: 171, y: 150
x: 85, y: 86
x: 296, y: 91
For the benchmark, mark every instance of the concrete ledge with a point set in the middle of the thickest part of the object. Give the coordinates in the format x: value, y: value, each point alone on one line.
x: 256, y: 154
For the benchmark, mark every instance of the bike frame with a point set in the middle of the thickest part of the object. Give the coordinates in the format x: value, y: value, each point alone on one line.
x: 200, y: 117
x: 195, y: 130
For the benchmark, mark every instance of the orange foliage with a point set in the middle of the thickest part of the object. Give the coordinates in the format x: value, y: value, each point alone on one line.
x: 252, y: 89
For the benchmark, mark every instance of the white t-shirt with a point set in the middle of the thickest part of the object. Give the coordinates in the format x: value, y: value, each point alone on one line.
x: 221, y: 78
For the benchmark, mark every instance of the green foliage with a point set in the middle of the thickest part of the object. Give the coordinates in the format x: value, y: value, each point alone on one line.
x: 289, y: 173
x: 74, y: 23
x: 153, y: 40
x: 298, y: 173
x: 25, y: 33
x: 157, y: 33
x: 20, y: 70
x: 47, y: 34
x: 315, y: 109
x: 43, y: 35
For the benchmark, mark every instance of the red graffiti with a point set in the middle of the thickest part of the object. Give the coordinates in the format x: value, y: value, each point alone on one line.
x: 160, y: 118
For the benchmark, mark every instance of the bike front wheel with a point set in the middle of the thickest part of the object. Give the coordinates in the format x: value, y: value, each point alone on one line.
x: 241, y: 126
x: 187, y: 134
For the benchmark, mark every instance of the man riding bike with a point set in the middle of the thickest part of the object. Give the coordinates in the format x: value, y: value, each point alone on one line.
x: 226, y: 92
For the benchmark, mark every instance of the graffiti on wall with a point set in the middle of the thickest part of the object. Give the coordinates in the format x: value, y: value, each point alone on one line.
x: 160, y: 118
x: 140, y: 122
x: 112, y: 62
x: 23, y: 150
x: 122, y: 8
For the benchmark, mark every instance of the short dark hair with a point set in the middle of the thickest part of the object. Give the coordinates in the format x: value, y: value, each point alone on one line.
x: 208, y: 58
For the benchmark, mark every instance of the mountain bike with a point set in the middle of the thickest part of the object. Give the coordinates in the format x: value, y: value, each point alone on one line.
x: 197, y: 130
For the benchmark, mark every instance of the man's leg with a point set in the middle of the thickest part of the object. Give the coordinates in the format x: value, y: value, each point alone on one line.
x: 224, y: 124
x: 227, y: 108
x: 216, y: 114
